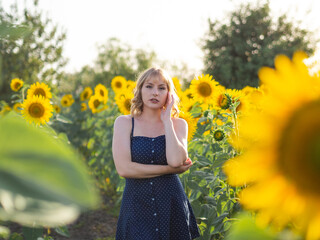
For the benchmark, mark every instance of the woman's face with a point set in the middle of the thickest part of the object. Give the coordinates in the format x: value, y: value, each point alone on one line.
x: 154, y: 93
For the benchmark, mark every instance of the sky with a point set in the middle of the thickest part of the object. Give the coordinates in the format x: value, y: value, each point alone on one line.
x: 172, y: 28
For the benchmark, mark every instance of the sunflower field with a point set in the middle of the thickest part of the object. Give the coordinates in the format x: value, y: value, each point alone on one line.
x: 255, y: 151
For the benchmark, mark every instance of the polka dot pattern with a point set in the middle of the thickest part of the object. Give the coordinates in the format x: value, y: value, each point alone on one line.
x: 154, y: 208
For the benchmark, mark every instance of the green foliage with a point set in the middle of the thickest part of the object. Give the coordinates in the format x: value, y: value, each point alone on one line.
x: 37, y: 56
x: 235, y: 51
x: 43, y: 181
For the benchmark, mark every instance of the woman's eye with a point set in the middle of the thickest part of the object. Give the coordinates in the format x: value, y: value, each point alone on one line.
x: 163, y: 88
x: 148, y: 86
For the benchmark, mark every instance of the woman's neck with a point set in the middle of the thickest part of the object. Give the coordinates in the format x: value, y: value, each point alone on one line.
x: 151, y: 115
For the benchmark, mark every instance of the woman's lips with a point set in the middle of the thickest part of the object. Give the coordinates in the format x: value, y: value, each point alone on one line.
x: 153, y: 100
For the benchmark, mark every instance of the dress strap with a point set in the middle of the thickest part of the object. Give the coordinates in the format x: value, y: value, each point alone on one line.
x: 132, y: 127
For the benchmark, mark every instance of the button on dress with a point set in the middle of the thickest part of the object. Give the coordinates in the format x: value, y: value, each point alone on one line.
x: 154, y: 208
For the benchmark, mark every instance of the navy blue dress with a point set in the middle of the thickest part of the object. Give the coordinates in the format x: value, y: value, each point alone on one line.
x: 154, y: 208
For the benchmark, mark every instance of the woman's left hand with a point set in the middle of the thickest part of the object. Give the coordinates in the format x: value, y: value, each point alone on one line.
x: 166, y: 111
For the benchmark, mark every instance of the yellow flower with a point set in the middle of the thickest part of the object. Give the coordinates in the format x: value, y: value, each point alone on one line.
x: 124, y: 102
x: 5, y: 110
x: 176, y: 84
x: 83, y: 107
x: 131, y: 85
x: 108, y: 180
x: 203, y: 89
x: 41, y: 89
x: 67, y: 100
x: 186, y: 104
x: 102, y: 92
x: 56, y: 108
x: 16, y: 84
x: 37, y: 109
x: 86, y: 94
x: 192, y: 123
x: 96, y: 105
x: 218, y: 135
x: 17, y: 107
x: 118, y: 83
x: 280, y: 144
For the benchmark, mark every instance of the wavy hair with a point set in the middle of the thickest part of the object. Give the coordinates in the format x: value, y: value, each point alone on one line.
x: 137, y: 103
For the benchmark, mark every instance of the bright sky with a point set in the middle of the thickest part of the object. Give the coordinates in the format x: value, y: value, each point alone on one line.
x: 172, y: 28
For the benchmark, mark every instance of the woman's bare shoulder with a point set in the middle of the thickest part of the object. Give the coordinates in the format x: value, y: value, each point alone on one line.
x: 180, y: 122
x: 123, y: 121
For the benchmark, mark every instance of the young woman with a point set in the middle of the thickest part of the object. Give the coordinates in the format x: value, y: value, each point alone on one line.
x: 149, y: 150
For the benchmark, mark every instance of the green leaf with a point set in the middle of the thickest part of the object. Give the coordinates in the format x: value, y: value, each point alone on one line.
x: 4, y: 232
x: 43, y: 181
x: 245, y: 229
x: 63, y: 231
x: 63, y: 119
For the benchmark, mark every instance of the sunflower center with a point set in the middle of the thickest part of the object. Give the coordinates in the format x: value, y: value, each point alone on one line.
x: 102, y: 93
x: 39, y: 91
x: 127, y: 104
x: 189, y: 95
x: 224, y: 101
x: 36, y: 110
x: 17, y: 85
x: 85, y: 95
x: 96, y: 103
x: 218, y: 135
x: 204, y: 89
x: 118, y: 84
x: 299, y: 152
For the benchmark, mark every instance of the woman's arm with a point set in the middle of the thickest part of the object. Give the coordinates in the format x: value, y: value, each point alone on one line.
x: 176, y: 131
x: 122, y: 155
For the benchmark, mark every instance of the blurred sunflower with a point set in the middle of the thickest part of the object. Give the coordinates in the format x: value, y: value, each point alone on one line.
x: 239, y: 96
x: 192, y: 124
x: 281, y: 156
x: 83, y: 107
x: 118, y: 83
x: 16, y: 84
x: 203, y: 89
x: 131, y: 85
x: 186, y: 104
x: 102, y: 92
x: 176, y: 83
x: 86, y: 94
x: 5, y: 110
x: 56, y: 108
x: 17, y: 107
x: 67, y: 100
x: 41, y: 89
x: 124, y: 102
x: 37, y: 109
x: 96, y: 105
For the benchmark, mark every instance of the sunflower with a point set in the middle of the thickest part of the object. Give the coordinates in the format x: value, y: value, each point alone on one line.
x: 83, y: 107
x: 5, y: 110
x: 239, y: 96
x: 203, y: 89
x: 102, y: 92
x: 67, y: 100
x: 118, y: 83
x: 222, y: 100
x: 39, y: 89
x: 219, y: 135
x: 124, y: 102
x: 56, y: 108
x: 131, y: 85
x: 176, y: 83
x: 281, y: 157
x: 16, y: 84
x: 192, y: 123
x: 186, y: 104
x: 37, y: 109
x: 86, y: 94
x: 17, y: 107
x: 95, y: 104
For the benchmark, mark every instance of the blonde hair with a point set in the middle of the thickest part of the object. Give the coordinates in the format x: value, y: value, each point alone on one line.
x: 137, y: 103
